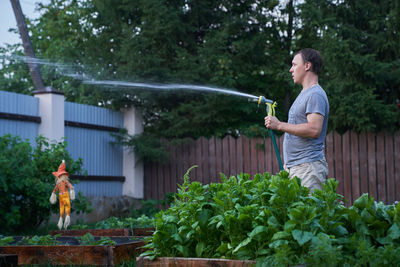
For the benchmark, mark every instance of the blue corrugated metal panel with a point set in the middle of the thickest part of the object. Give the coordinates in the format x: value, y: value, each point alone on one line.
x: 22, y: 105
x: 93, y: 115
x: 18, y: 104
x: 109, y: 189
x: 26, y: 130
x: 100, y: 156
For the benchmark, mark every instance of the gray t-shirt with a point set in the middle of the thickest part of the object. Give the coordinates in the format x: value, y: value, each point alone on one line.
x: 298, y: 150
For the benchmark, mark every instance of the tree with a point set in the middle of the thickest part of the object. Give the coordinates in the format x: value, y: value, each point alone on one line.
x: 361, y: 52
x: 34, y: 68
x: 245, y: 45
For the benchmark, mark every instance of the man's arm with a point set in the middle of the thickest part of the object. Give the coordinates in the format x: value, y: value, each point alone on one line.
x: 311, y: 129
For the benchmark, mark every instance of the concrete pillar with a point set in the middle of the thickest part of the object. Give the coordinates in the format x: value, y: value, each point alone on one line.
x: 133, y: 169
x: 51, y: 111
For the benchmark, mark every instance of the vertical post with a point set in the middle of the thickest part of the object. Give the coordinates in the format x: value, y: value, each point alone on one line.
x: 133, y: 169
x: 51, y: 111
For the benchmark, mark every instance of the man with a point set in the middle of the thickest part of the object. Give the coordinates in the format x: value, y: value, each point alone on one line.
x: 305, y: 131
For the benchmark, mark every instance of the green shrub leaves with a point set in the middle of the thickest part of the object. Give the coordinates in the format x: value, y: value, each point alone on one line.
x: 276, y: 221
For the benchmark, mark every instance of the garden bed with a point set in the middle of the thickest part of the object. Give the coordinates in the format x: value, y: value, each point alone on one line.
x: 106, y: 232
x: 69, y: 252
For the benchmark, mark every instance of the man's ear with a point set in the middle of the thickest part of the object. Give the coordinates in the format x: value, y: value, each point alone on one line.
x: 308, y: 66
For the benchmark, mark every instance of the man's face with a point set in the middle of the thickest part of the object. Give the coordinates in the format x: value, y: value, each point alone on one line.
x: 298, y: 69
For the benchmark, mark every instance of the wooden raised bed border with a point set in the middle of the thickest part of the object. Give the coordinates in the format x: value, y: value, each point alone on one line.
x: 107, y: 255
x: 191, y: 262
x: 106, y: 232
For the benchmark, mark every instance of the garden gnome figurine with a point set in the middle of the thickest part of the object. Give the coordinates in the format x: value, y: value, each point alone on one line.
x: 62, y: 186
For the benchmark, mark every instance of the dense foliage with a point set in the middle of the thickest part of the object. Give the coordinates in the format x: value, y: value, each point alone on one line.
x: 244, y: 45
x: 26, y: 182
x: 118, y: 223
x: 274, y: 220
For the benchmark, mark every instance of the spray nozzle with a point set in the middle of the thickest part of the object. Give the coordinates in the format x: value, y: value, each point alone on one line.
x: 263, y: 100
x: 269, y: 103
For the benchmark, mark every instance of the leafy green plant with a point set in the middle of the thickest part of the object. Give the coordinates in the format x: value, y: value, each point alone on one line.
x: 6, y: 240
x: 276, y: 221
x: 150, y: 207
x: 89, y: 240
x: 26, y: 182
x: 46, y: 240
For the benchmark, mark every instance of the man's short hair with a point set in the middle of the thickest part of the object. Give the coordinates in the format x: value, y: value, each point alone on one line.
x: 313, y: 56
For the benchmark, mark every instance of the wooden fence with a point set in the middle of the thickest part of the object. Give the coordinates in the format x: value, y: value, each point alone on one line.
x: 362, y: 163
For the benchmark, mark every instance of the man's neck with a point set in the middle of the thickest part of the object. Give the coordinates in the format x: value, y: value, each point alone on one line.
x: 309, y: 82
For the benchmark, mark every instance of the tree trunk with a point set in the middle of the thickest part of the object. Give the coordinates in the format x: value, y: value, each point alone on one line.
x: 34, y: 69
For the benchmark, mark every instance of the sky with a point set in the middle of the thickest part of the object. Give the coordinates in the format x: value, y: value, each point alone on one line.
x: 7, y: 19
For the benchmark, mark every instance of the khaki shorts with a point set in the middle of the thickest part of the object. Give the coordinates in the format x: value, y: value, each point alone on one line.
x: 312, y: 174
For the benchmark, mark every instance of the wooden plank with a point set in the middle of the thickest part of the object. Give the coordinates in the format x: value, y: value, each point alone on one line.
x: 397, y: 164
x: 338, y: 157
x: 74, y: 255
x: 355, y: 169
x: 205, y: 179
x: 218, y: 154
x: 9, y: 260
x: 160, y: 182
x: 225, y: 156
x: 389, y: 158
x: 239, y: 155
x: 363, y: 159
x: 154, y: 185
x: 261, y: 154
x: 198, y: 158
x: 166, y: 167
x: 174, y: 173
x: 246, y: 155
x: 253, y: 152
x: 330, y: 154
x: 232, y: 156
x: 371, y: 165
x: 186, y: 159
x: 346, y: 166
x: 212, y: 160
x: 192, y: 262
x: 121, y: 254
x: 179, y: 163
x: 59, y: 255
x: 147, y: 181
x: 94, y: 232
x: 381, y: 176
x: 269, y: 154
x: 191, y: 153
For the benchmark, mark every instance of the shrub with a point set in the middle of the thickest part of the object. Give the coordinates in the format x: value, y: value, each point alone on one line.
x: 274, y: 220
x: 26, y: 182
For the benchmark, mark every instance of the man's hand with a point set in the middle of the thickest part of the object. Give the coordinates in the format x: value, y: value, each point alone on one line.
x: 272, y: 122
x: 311, y: 129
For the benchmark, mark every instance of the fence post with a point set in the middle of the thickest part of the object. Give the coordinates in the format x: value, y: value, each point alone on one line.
x: 51, y: 111
x: 132, y: 168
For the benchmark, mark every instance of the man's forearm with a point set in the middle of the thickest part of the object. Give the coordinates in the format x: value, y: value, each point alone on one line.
x: 303, y: 130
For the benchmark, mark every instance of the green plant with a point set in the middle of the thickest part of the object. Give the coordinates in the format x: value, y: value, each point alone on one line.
x: 89, y: 240
x: 129, y: 222
x: 26, y: 182
x: 46, y: 240
x: 146, y: 146
x: 6, y: 240
x: 274, y: 220
x: 150, y: 207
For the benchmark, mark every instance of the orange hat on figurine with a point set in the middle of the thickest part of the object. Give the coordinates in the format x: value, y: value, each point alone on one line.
x: 61, y: 170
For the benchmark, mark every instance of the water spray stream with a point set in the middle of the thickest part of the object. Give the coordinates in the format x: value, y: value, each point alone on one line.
x: 67, y: 70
